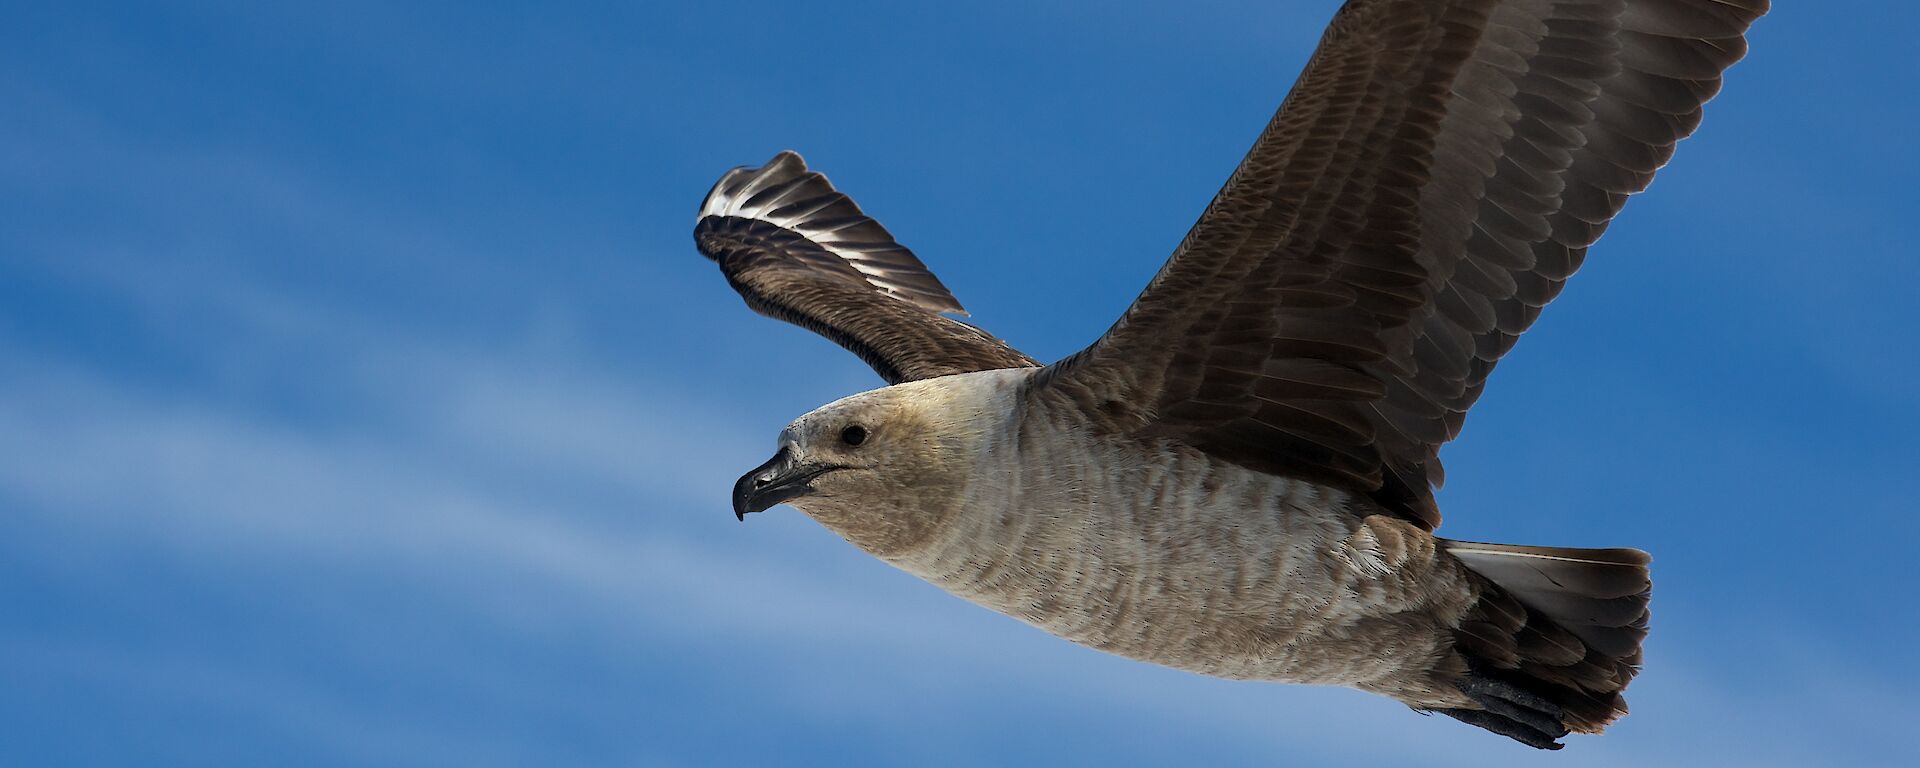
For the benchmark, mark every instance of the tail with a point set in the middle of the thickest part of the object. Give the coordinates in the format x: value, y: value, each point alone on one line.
x: 1553, y: 640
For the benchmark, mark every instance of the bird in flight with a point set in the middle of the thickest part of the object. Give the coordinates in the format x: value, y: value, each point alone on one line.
x: 1237, y: 478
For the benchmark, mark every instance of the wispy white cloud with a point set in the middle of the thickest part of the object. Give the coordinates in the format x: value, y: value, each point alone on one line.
x: 579, y: 487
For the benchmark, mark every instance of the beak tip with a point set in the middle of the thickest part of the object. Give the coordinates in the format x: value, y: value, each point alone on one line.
x: 779, y: 480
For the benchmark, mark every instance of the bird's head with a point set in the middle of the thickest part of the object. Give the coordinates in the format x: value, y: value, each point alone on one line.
x: 882, y: 468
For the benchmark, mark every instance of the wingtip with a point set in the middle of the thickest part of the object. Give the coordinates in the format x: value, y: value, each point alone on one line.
x: 742, y: 181
x: 785, y: 194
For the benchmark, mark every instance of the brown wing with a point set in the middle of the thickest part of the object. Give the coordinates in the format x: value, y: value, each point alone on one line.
x: 1437, y: 172
x: 798, y: 250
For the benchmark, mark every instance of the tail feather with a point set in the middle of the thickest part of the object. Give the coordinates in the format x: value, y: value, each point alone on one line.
x: 1553, y: 639
x: 1600, y: 595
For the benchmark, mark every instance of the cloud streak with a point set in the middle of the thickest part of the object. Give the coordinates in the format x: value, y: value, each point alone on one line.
x: 527, y: 488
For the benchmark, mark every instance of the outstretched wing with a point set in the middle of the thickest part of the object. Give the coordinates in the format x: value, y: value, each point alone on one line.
x: 1435, y: 175
x: 798, y: 250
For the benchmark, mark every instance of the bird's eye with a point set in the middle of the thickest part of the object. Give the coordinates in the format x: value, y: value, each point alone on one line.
x: 853, y: 435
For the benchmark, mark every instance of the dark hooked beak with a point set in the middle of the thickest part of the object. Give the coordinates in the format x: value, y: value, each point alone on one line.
x: 780, y: 479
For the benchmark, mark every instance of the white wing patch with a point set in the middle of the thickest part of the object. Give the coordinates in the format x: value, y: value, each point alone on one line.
x: 785, y: 194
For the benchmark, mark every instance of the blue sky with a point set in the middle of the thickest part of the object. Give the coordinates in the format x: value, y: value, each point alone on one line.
x: 364, y: 402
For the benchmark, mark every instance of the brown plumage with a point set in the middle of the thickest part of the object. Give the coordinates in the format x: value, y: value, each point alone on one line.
x: 1434, y: 177
x: 1430, y: 183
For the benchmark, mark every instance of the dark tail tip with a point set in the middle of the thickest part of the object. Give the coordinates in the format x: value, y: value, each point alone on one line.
x: 1511, y: 711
